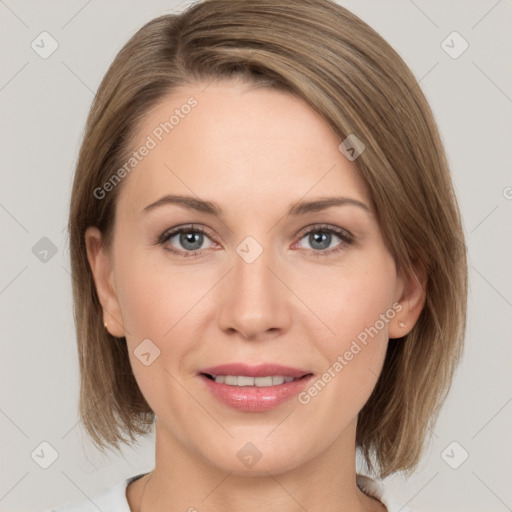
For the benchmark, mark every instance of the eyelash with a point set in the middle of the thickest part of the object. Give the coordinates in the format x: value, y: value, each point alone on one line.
x: 346, y: 239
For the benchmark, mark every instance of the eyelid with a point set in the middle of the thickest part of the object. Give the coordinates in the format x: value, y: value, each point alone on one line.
x: 185, y: 227
x: 341, y: 232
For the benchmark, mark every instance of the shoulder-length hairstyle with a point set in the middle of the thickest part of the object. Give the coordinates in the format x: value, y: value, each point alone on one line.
x: 352, y: 77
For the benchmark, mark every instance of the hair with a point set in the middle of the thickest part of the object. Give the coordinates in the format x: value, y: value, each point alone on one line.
x: 327, y: 56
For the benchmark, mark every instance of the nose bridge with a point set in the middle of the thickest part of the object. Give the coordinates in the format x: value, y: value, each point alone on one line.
x: 251, y: 273
x: 256, y: 301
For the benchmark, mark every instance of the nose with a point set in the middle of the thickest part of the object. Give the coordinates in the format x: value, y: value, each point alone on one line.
x: 255, y: 303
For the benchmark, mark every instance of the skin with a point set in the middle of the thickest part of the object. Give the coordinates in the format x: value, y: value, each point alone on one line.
x: 254, y: 152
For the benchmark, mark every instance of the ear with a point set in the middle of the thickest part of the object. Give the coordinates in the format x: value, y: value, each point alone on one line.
x: 411, y: 294
x: 101, y: 267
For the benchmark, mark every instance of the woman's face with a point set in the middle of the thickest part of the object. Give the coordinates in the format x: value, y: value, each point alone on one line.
x: 314, y: 290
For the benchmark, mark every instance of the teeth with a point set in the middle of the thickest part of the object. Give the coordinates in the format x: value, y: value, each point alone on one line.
x: 242, y: 380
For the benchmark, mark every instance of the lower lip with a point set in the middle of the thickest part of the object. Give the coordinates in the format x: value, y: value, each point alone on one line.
x: 253, y: 398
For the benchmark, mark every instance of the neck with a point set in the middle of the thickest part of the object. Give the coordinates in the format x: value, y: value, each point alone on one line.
x: 183, y: 480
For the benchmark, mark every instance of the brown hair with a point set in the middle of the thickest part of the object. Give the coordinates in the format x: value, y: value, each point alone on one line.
x: 344, y: 70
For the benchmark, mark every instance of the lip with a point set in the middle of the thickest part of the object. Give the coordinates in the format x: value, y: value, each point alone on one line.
x: 255, y: 398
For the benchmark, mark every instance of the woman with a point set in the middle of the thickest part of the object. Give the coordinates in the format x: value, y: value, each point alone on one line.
x: 268, y: 261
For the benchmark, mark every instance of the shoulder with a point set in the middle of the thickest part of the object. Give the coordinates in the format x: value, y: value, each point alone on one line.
x: 377, y: 490
x: 110, y: 499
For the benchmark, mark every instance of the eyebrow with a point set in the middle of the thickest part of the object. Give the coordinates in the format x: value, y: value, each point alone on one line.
x: 297, y: 208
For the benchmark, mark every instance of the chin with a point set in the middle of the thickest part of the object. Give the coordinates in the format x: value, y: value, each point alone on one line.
x: 257, y: 457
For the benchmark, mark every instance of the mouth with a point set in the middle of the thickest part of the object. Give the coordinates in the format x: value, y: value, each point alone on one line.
x: 254, y: 388
x: 245, y: 380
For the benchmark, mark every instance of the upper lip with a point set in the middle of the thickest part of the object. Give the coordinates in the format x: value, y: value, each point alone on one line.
x: 260, y: 370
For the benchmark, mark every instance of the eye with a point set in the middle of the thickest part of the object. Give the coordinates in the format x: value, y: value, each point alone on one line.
x: 189, y: 240
x: 320, y: 238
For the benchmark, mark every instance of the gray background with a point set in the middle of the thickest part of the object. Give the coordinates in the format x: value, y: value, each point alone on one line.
x: 44, y: 103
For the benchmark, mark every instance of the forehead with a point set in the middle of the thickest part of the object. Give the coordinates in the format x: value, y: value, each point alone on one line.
x: 238, y: 143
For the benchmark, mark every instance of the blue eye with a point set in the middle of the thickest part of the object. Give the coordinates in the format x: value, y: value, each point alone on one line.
x: 320, y: 238
x: 190, y: 239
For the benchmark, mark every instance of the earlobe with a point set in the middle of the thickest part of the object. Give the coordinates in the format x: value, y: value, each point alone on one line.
x: 412, y: 301
x: 101, y: 268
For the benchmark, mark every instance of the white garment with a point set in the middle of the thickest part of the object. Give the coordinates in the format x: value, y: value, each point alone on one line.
x: 113, y: 499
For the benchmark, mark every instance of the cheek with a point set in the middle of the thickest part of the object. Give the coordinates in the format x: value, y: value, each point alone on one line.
x: 351, y: 298
x: 166, y: 304
x: 355, y: 306
x: 154, y: 294
x: 161, y: 303
x: 356, y: 310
